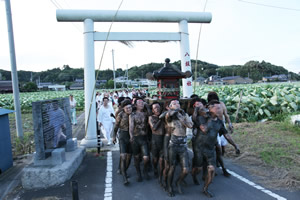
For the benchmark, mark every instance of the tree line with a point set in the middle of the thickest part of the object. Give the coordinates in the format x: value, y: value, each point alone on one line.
x: 66, y: 75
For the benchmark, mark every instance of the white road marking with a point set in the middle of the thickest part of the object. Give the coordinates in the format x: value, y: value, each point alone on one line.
x: 108, y: 179
x: 268, y: 192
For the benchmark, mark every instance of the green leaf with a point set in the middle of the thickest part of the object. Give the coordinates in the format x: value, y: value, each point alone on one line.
x: 294, y: 106
x: 273, y: 101
x: 261, y: 112
x: 255, y: 99
x: 246, y: 109
x: 267, y: 112
x: 288, y: 98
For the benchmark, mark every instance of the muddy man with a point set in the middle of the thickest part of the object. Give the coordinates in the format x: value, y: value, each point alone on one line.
x: 178, y: 121
x: 138, y: 125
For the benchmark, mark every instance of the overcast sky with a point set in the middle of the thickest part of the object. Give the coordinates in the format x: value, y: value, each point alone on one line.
x: 240, y: 31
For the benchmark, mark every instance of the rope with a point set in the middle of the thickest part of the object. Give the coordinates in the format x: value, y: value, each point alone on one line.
x: 195, y: 75
x: 91, y: 102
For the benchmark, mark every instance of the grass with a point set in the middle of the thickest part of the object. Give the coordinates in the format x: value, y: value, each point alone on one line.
x: 273, y: 144
x: 25, y: 145
x: 272, y: 141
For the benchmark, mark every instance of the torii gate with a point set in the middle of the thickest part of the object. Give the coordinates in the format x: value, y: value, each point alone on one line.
x: 91, y: 16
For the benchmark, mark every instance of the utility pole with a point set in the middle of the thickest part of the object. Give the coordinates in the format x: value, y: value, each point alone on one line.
x: 114, y: 69
x: 127, y: 74
x: 14, y: 73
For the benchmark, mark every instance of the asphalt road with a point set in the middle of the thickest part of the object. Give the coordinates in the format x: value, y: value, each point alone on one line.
x: 92, y: 178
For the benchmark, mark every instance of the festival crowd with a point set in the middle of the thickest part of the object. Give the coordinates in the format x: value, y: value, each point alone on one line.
x: 156, y: 135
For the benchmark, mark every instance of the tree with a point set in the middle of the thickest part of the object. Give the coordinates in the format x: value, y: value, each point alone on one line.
x: 110, y: 84
x: 30, y: 87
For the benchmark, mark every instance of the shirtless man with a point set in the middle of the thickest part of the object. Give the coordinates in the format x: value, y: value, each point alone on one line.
x: 158, y: 131
x: 198, y: 110
x: 178, y: 121
x: 222, y: 140
x: 122, y: 124
x: 210, y: 127
x: 221, y: 115
x: 138, y: 124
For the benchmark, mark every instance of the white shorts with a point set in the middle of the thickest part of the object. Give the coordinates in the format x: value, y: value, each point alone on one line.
x: 222, y: 140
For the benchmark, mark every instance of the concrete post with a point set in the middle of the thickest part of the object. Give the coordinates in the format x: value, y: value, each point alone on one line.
x: 114, y: 70
x: 90, y: 139
x: 14, y: 73
x: 186, y: 64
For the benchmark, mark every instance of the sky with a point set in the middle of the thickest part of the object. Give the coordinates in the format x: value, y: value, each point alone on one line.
x: 240, y: 31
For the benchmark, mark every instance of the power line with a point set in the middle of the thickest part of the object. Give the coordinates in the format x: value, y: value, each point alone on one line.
x: 55, y: 4
x: 270, y: 6
x: 58, y: 6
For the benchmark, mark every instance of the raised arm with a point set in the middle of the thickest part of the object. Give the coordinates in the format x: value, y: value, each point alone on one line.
x: 117, y: 126
x: 226, y: 116
x: 185, y: 120
x: 154, y: 126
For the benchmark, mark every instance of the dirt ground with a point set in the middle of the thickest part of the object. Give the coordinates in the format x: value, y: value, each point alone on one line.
x: 269, y: 151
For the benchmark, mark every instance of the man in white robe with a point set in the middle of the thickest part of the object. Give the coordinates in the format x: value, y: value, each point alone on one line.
x: 106, y: 119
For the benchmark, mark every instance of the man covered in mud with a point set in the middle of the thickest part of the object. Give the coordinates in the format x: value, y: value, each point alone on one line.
x: 138, y: 125
x: 199, y: 109
x: 167, y: 137
x: 222, y: 139
x: 122, y: 124
x: 210, y: 127
x: 158, y: 131
x: 178, y: 121
x: 223, y: 115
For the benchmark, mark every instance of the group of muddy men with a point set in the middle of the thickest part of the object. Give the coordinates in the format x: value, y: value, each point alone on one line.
x: 161, y: 130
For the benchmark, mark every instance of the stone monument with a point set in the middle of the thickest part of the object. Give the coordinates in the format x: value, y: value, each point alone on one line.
x: 57, y: 154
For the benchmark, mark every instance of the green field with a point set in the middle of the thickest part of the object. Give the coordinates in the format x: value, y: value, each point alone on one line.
x: 259, y: 101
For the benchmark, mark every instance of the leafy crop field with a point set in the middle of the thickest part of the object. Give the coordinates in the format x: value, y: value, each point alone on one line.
x: 26, y: 99
x: 259, y: 101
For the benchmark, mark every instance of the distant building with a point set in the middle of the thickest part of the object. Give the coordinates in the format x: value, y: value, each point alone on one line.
x: 79, y: 81
x: 214, y: 80
x: 57, y: 87
x: 199, y: 81
x: 6, y: 87
x: 101, y: 82
x: 51, y: 86
x: 275, y: 78
x: 121, y: 79
x: 230, y: 80
x: 77, y: 86
x: 44, y: 86
x: 144, y: 81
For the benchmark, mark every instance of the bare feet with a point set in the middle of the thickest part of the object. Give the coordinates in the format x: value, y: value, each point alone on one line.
x: 170, y: 192
x: 178, y: 187
x: 226, y: 173
x: 196, y: 182
x: 207, y: 193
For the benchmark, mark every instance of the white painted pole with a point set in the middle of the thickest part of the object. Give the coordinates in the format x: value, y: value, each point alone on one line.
x: 127, y: 75
x: 185, y: 58
x: 113, y: 59
x: 90, y: 139
x: 14, y: 73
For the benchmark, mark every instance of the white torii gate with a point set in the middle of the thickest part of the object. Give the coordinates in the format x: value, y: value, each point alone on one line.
x: 91, y: 16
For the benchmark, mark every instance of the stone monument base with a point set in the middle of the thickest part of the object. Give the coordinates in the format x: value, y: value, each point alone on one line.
x: 90, y: 143
x: 36, y: 177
